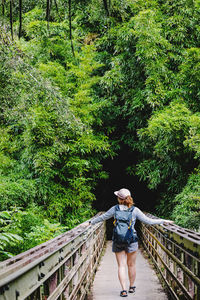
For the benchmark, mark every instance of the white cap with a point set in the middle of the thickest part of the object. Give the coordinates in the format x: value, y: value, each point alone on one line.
x: 123, y: 193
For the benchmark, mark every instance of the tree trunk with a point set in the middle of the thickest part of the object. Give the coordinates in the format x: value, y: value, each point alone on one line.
x: 48, y: 13
x: 3, y: 8
x: 20, y: 18
x: 106, y: 7
x: 70, y: 27
x: 56, y: 5
x: 11, y: 18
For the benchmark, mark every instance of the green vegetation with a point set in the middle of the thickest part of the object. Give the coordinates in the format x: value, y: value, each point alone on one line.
x: 86, y: 78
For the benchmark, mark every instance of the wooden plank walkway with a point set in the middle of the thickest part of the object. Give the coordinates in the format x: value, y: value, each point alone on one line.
x: 107, y: 287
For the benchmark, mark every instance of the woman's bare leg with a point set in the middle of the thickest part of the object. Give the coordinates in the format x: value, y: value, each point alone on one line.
x: 121, y: 261
x: 131, y: 262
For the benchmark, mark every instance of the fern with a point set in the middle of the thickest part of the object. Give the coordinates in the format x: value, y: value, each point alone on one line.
x: 7, y: 239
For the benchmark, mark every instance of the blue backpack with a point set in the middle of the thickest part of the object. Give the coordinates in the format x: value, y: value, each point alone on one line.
x: 123, y: 233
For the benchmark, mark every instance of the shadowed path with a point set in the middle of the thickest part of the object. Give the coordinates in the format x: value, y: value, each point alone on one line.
x: 106, y: 285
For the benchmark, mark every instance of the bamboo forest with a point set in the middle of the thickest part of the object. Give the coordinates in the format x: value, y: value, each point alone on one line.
x: 96, y: 95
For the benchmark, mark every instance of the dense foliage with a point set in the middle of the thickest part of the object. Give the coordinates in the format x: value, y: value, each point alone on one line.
x: 85, y: 79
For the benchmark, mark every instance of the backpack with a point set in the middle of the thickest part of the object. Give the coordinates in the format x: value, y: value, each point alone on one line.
x: 123, y: 233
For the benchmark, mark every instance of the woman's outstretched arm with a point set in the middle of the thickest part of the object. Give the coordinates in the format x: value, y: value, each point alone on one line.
x: 107, y: 215
x: 143, y: 218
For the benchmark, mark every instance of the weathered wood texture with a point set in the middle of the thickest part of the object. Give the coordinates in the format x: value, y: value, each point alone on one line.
x: 62, y: 268
x: 175, y: 251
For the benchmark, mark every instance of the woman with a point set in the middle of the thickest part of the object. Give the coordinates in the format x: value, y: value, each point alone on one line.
x: 126, y: 254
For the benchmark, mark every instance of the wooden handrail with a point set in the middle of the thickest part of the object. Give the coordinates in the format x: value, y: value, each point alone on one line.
x: 175, y: 252
x: 62, y: 267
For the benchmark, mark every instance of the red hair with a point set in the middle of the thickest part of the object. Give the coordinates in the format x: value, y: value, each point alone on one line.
x: 128, y: 201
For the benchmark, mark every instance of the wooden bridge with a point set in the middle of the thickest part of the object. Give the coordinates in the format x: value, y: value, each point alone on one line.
x: 64, y: 268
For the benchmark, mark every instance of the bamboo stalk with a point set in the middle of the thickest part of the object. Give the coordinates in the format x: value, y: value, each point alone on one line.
x: 48, y: 13
x: 11, y: 18
x: 70, y: 27
x: 3, y: 8
x: 20, y: 18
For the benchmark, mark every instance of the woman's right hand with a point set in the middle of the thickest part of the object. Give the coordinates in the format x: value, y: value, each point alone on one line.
x: 166, y: 222
x: 86, y: 224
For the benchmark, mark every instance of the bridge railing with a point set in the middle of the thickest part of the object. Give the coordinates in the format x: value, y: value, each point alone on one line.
x: 175, y: 252
x: 62, y: 268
